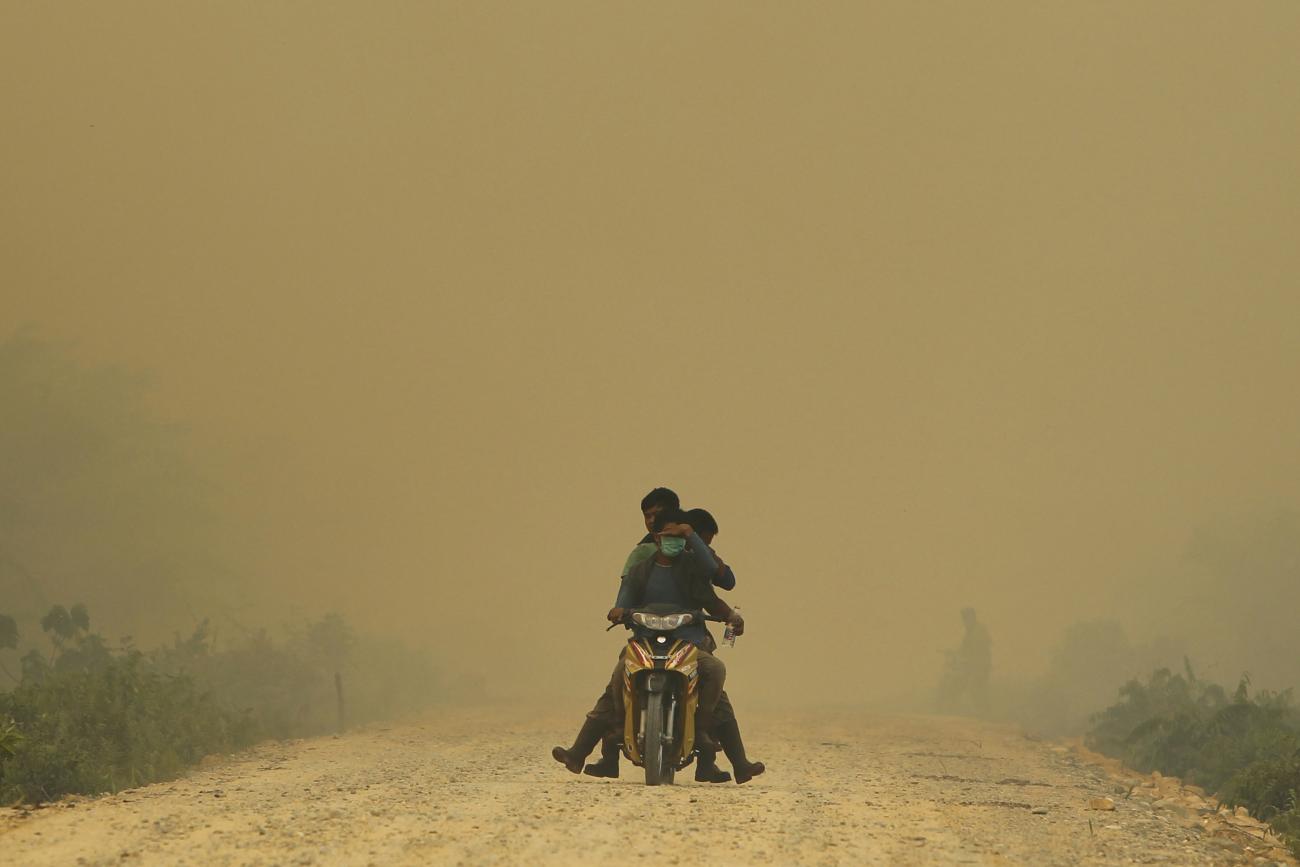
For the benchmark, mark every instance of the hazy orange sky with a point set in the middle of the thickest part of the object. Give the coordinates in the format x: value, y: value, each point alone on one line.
x: 931, y: 305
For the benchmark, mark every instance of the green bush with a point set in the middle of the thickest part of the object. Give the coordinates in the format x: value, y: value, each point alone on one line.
x: 90, y: 718
x: 281, y: 688
x: 120, y: 724
x: 1270, y: 789
x: 1245, y: 748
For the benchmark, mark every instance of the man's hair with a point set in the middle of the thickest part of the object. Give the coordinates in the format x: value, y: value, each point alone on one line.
x: 670, y: 515
x: 660, y: 497
x: 701, y: 521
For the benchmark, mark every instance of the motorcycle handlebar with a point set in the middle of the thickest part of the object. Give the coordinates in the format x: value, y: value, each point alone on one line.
x: 627, y: 619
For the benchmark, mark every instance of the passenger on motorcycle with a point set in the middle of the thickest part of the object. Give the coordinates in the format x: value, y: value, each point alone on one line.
x: 651, y: 505
x: 726, y: 729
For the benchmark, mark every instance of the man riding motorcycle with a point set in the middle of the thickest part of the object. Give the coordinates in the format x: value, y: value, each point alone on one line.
x: 681, y: 574
x: 706, y: 767
x: 674, y: 575
x: 726, y: 729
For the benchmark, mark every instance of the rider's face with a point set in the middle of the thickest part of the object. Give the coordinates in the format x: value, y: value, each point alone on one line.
x: 649, y: 515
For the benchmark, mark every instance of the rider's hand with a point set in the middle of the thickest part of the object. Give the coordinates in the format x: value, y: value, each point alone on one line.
x: 737, y: 622
x: 615, y: 615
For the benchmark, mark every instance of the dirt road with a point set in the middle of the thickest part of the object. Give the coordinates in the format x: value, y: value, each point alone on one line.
x: 480, y: 788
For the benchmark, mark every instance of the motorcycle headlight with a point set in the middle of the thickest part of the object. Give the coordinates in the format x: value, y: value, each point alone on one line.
x: 662, y: 622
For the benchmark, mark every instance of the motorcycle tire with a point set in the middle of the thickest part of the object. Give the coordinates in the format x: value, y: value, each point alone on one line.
x: 658, y: 753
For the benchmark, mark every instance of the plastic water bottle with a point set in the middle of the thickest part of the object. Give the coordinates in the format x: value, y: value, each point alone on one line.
x: 729, y: 634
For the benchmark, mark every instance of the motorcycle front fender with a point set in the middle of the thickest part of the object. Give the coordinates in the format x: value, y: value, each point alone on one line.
x: 642, y: 674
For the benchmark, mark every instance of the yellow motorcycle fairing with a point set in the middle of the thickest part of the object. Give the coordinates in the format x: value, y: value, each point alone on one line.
x: 683, y: 658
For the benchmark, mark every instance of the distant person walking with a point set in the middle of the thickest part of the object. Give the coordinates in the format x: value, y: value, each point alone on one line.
x: 964, y: 687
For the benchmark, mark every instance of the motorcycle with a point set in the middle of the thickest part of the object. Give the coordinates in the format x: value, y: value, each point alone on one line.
x: 660, y: 692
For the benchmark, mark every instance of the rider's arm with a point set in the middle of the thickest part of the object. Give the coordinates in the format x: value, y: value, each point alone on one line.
x: 718, y: 608
x: 703, y: 556
x: 720, y: 574
x: 624, y: 598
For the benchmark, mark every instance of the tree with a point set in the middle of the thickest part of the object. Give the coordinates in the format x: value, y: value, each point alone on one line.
x: 1240, y: 591
x: 331, y: 640
x: 98, y: 499
x: 8, y: 641
x: 8, y: 632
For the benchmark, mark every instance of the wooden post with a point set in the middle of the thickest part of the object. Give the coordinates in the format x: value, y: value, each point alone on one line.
x: 338, y: 689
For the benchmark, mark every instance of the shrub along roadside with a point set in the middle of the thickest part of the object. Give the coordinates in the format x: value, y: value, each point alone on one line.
x: 1244, y: 748
x: 117, y: 725
x: 88, y: 718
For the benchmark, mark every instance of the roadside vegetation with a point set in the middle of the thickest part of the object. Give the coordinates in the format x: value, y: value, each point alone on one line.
x: 88, y: 717
x: 1244, y: 747
x: 103, y: 501
x: 1231, y: 598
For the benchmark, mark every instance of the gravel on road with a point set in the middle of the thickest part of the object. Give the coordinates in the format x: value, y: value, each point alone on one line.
x: 479, y: 787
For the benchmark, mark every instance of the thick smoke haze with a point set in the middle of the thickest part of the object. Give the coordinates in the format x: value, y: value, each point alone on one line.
x: 930, y: 306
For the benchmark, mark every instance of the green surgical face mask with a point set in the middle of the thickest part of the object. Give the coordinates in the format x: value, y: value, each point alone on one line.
x: 671, y: 546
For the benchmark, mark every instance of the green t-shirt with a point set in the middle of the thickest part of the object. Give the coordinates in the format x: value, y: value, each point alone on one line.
x: 639, y: 554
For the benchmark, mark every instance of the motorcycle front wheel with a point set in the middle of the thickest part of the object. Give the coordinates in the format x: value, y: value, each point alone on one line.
x: 658, y: 741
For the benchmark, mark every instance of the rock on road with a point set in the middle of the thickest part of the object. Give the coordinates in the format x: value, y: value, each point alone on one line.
x: 479, y: 787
